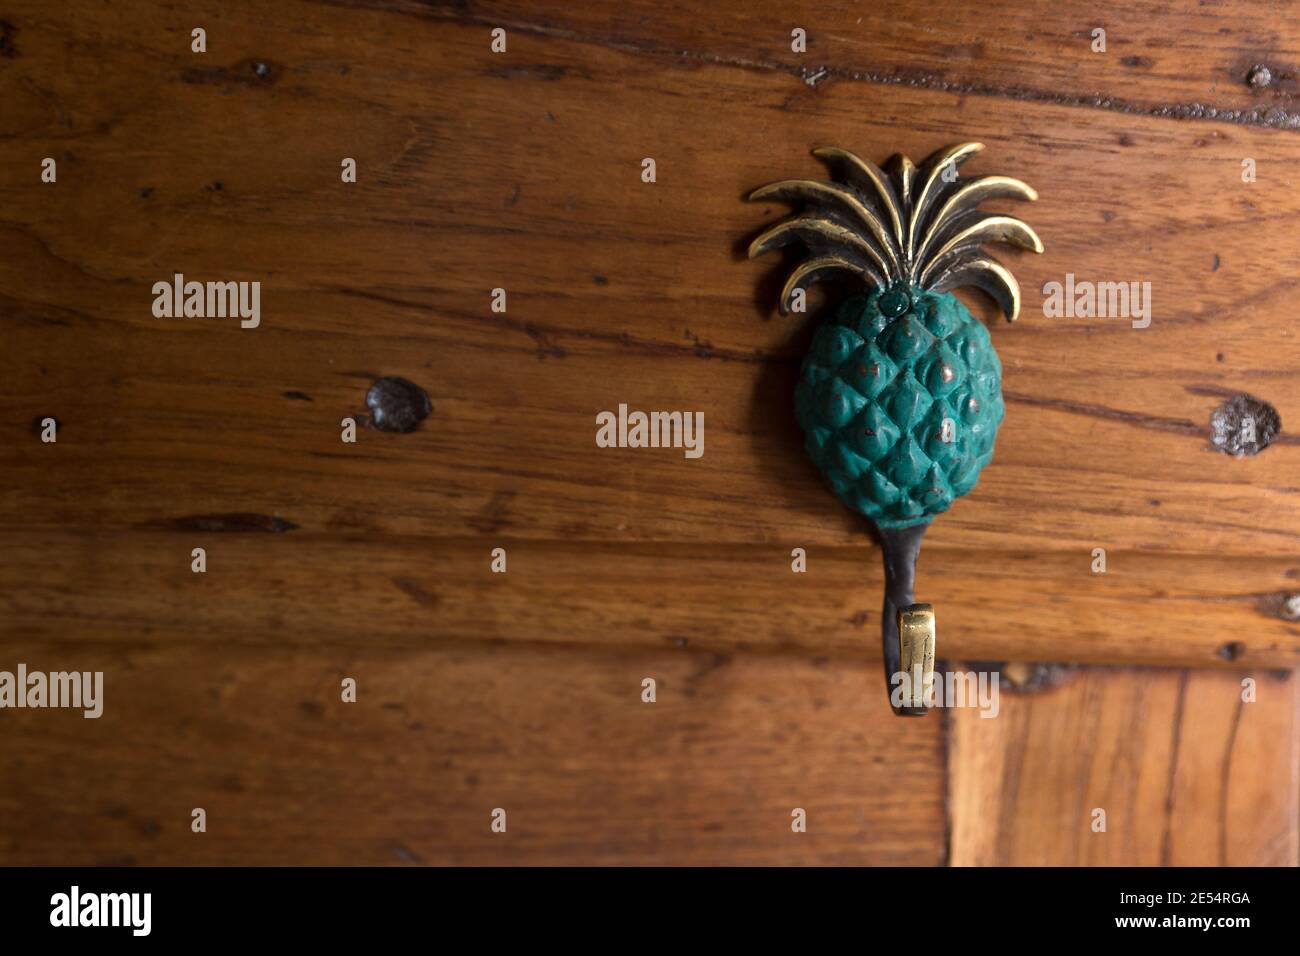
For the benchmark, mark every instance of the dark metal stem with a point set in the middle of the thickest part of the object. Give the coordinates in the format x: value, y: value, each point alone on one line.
x: 900, y: 546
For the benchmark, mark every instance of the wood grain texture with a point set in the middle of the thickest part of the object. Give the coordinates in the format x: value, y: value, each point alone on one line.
x: 522, y: 171
x: 1163, y: 60
x: 619, y: 291
x: 266, y: 589
x: 1186, y: 772
x: 439, y: 738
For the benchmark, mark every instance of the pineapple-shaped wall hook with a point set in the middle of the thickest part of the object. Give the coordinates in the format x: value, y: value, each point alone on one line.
x: 900, y: 395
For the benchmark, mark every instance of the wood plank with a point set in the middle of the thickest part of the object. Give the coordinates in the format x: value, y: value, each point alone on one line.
x: 619, y: 291
x: 1166, y: 60
x: 1186, y: 772
x: 440, y: 737
x: 522, y: 171
x: 268, y: 590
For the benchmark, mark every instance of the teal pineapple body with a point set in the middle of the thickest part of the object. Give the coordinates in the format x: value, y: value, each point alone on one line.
x: 883, y: 374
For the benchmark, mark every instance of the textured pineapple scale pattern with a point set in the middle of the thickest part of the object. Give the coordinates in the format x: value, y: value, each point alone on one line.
x: 873, y: 395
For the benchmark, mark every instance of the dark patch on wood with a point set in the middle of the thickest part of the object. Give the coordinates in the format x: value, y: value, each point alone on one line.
x: 7, y: 33
x: 405, y: 855
x: 600, y: 280
x: 215, y: 186
x: 1136, y: 61
x: 145, y: 192
x: 300, y: 396
x: 312, y: 708
x: 1214, y: 266
x: 413, y: 590
x: 245, y: 73
x: 397, y: 405
x: 547, y: 72
x: 494, y: 515
x: 545, y: 347
x: 702, y: 349
x: 1283, y: 605
x: 1232, y: 650
x: 235, y: 521
x: 1244, y: 425
x: 710, y: 663
x: 1213, y: 391
x: 1027, y: 677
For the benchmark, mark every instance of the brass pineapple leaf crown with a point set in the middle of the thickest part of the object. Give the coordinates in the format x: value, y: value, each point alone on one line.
x: 900, y: 225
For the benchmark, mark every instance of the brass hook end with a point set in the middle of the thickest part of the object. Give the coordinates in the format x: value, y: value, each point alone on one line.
x: 916, y: 658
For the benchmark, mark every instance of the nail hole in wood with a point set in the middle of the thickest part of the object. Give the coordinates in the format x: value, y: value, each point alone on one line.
x: 397, y: 405
x: 1244, y: 425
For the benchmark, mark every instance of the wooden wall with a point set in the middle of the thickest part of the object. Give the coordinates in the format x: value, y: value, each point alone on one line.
x: 522, y: 170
